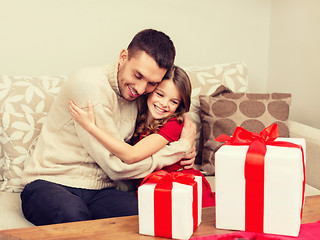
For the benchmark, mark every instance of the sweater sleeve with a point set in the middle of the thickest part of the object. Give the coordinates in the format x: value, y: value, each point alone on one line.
x: 114, y: 167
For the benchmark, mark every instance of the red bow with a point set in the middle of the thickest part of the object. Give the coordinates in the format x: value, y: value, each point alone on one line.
x: 163, y: 178
x: 243, y: 137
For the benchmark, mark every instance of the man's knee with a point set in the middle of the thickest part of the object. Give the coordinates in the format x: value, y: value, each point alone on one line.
x: 47, y: 203
x: 68, y: 213
x: 114, y: 203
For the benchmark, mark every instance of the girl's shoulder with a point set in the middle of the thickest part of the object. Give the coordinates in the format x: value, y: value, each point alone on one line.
x: 173, y: 123
x: 174, y: 120
x: 171, y: 130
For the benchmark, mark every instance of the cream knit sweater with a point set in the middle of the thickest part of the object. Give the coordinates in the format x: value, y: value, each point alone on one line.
x: 67, y: 154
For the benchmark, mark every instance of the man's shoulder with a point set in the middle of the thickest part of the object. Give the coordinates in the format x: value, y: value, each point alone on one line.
x: 90, y: 72
x: 88, y: 83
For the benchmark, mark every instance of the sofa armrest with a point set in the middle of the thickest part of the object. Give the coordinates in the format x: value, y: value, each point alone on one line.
x: 312, y: 137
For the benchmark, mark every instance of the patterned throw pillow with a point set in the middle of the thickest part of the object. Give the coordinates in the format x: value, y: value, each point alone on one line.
x: 21, y: 131
x: 205, y: 81
x: 221, y: 114
x: 2, y: 155
x: 24, y: 103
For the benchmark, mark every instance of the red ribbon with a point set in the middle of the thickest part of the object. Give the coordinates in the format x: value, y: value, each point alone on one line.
x: 163, y: 199
x: 254, y: 170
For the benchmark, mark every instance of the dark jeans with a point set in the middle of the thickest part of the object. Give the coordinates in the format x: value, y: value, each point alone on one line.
x: 45, y: 202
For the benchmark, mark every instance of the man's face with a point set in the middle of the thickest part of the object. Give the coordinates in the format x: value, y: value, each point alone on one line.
x: 139, y: 75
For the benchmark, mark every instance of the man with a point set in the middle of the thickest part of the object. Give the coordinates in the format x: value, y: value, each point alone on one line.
x: 71, y: 176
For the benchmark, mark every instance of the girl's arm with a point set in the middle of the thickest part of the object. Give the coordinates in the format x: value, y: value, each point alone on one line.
x: 126, y: 152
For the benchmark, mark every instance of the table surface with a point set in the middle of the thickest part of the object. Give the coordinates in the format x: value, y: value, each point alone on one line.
x: 124, y: 228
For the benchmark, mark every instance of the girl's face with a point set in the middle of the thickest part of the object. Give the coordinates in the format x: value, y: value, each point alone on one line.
x: 163, y: 101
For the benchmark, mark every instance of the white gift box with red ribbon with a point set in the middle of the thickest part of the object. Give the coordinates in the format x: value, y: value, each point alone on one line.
x: 264, y: 198
x: 170, y: 211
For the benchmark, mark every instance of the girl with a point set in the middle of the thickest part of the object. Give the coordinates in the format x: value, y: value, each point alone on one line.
x: 159, y: 121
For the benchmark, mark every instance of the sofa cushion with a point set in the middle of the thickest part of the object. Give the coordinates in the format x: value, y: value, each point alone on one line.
x: 21, y: 130
x: 2, y: 155
x: 205, y: 81
x: 24, y: 103
x: 221, y: 114
x: 11, y: 214
x: 20, y: 94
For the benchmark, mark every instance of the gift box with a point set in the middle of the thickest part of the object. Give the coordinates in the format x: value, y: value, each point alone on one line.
x: 260, y: 182
x: 170, y: 204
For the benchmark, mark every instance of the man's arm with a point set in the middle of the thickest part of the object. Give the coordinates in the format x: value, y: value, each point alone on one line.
x: 118, y: 170
x: 189, y: 132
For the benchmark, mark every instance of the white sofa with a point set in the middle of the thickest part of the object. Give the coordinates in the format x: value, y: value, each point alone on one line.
x: 25, y: 102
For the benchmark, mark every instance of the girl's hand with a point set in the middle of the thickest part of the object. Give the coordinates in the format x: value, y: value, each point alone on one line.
x: 85, y: 118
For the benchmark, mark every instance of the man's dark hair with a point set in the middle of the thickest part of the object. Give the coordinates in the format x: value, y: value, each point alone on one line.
x: 156, y: 44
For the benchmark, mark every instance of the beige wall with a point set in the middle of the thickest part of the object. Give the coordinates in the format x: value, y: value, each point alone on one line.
x: 294, y: 63
x: 59, y: 36
x: 44, y: 37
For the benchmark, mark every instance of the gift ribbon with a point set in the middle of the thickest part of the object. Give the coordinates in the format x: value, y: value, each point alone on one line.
x: 163, y: 199
x: 254, y: 170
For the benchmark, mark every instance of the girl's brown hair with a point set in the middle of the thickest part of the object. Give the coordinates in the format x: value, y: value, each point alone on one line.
x: 183, y: 84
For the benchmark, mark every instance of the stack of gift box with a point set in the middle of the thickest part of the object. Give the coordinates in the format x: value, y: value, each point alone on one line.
x: 259, y: 183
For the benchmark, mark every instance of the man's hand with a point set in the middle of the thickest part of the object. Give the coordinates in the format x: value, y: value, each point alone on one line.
x: 188, y: 132
x: 189, y: 129
x: 188, y: 161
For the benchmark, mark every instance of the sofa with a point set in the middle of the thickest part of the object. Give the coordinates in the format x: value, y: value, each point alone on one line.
x: 26, y: 100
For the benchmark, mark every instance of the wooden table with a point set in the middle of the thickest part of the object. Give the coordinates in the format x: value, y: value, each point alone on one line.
x: 124, y: 228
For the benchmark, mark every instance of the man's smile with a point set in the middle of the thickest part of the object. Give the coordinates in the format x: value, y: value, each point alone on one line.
x: 132, y: 92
